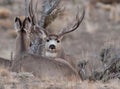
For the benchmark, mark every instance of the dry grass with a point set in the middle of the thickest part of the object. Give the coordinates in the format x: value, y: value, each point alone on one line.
x: 85, y: 43
x: 28, y: 81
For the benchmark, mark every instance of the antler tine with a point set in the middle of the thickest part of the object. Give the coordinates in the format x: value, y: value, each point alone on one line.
x: 30, y: 9
x: 26, y: 7
x: 32, y: 12
x: 75, y: 25
x: 48, y: 7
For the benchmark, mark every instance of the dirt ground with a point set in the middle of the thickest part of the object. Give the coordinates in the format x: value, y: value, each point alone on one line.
x: 86, y: 42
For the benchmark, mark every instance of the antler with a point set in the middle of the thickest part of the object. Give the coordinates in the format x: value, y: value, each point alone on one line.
x: 32, y: 12
x: 48, y: 7
x: 74, y: 26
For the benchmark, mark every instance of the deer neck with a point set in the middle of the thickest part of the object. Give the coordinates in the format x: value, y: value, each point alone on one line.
x: 37, y: 47
x: 22, y: 43
x: 61, y: 54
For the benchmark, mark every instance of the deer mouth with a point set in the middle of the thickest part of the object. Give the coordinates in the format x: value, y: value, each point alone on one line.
x: 52, y: 50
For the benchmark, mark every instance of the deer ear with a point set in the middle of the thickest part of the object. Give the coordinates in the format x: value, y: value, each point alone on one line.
x: 17, y: 24
x: 27, y: 23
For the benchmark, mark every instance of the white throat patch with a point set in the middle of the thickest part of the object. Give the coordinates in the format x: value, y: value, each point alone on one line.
x: 49, y: 54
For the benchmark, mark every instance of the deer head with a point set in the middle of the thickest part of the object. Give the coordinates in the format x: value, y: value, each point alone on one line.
x: 53, y: 41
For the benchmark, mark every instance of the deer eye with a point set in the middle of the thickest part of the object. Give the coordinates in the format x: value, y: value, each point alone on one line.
x: 47, y: 40
x: 58, y: 41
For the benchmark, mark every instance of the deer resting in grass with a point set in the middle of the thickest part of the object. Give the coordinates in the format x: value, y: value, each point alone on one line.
x: 53, y: 42
x: 51, y: 45
x: 44, y: 68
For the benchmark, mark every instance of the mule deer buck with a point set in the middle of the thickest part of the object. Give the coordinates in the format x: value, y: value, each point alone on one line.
x: 41, y: 67
x: 50, y: 44
x: 53, y: 42
x: 106, y: 4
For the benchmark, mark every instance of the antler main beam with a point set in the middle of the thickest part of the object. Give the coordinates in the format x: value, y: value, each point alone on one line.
x: 75, y: 25
x: 33, y: 12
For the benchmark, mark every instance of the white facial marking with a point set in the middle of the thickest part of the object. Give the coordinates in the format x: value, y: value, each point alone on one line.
x: 49, y: 54
x: 52, y: 42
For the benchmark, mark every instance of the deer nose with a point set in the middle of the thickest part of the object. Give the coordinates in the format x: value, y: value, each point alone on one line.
x: 52, y: 46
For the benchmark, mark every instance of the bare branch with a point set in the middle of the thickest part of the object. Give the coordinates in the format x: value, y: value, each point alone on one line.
x: 49, y: 19
x: 48, y: 7
x: 74, y: 26
x: 26, y: 8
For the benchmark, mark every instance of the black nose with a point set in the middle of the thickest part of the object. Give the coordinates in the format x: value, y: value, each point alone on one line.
x: 52, y: 46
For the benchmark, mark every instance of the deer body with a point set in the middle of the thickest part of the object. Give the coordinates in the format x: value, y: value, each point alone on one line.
x: 46, y: 68
x: 41, y: 67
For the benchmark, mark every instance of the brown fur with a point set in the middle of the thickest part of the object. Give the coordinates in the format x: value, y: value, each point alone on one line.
x: 45, y: 68
x: 22, y: 43
x: 22, y: 39
x: 59, y: 51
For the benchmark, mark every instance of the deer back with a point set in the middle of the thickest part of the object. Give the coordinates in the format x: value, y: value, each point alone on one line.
x: 46, y: 68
